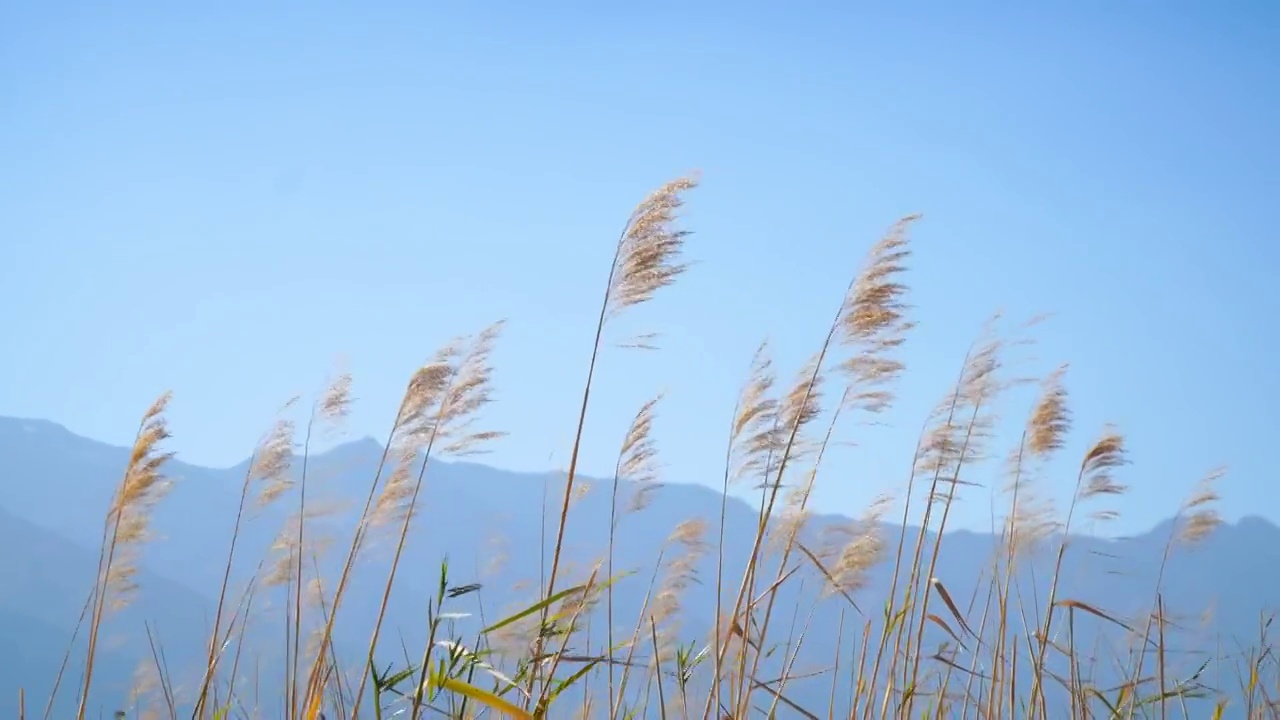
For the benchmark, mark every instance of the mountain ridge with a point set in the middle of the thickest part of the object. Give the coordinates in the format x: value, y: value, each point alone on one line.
x: 468, y: 506
x: 367, y: 447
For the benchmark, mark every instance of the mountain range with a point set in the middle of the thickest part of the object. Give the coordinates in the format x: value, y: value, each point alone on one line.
x: 491, y: 525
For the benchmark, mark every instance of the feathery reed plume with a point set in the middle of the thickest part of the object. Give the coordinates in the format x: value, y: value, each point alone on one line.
x: 960, y: 439
x: 392, y: 503
x: 1199, y: 518
x: 1032, y: 521
x: 862, y: 548
x: 791, y: 442
x: 1105, y: 456
x: 637, y: 458
x: 283, y: 567
x: 645, y: 259
x: 785, y: 531
x: 416, y: 428
x: 1050, y: 421
x: 1096, y: 479
x: 327, y: 415
x: 441, y: 405
x: 801, y: 406
x: 272, y: 464
x: 752, y: 437
x: 636, y: 465
x: 796, y: 412
x: 126, y: 528
x: 145, y: 686
x: 874, y: 321
x: 334, y: 405
x: 1100, y: 463
x: 444, y: 401
x: 681, y: 572
x: 1031, y: 517
x: 1196, y: 520
x: 969, y: 413
x: 870, y: 317
x: 874, y: 304
x: 648, y: 253
x: 854, y: 548
x: 405, y: 432
x: 755, y: 423
x: 471, y: 390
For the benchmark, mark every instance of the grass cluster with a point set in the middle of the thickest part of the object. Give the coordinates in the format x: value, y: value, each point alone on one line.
x: 566, y: 653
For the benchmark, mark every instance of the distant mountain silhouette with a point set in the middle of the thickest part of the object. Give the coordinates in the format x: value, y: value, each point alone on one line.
x: 46, y: 580
x: 57, y: 486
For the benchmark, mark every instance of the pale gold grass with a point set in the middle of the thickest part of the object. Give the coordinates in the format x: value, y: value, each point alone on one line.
x: 1002, y: 650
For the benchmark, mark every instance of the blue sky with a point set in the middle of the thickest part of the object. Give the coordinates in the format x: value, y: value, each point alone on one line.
x: 222, y: 198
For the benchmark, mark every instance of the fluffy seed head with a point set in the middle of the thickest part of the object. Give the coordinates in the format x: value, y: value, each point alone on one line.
x: 875, y: 301
x: 1100, y: 463
x: 1200, y: 517
x: 272, y: 462
x: 446, y: 394
x: 853, y: 549
x: 143, y: 487
x: 335, y: 404
x: 637, y: 458
x: 393, y: 500
x: 755, y: 424
x: 873, y: 321
x: 799, y: 408
x: 681, y: 572
x: 436, y: 417
x: 961, y: 425
x: 1051, y: 419
x: 648, y: 253
x: 795, y: 512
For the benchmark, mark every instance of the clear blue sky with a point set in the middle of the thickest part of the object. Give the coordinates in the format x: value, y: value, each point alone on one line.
x: 221, y: 198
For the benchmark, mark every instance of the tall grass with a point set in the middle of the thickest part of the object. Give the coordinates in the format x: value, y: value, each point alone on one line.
x: 919, y: 651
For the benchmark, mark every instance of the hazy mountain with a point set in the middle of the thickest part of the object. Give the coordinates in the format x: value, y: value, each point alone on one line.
x: 56, y: 487
x: 44, y: 583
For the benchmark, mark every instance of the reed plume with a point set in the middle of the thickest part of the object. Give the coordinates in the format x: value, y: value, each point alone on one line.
x: 646, y: 259
x: 441, y: 408
x: 127, y: 528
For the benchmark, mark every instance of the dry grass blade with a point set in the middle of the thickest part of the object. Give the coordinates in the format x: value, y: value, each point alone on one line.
x: 933, y: 618
x: 833, y: 584
x: 941, y: 589
x: 1079, y: 605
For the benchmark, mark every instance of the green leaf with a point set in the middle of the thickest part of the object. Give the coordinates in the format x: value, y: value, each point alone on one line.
x: 543, y: 604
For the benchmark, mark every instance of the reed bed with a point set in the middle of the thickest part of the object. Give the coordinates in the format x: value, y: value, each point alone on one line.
x: 922, y: 650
